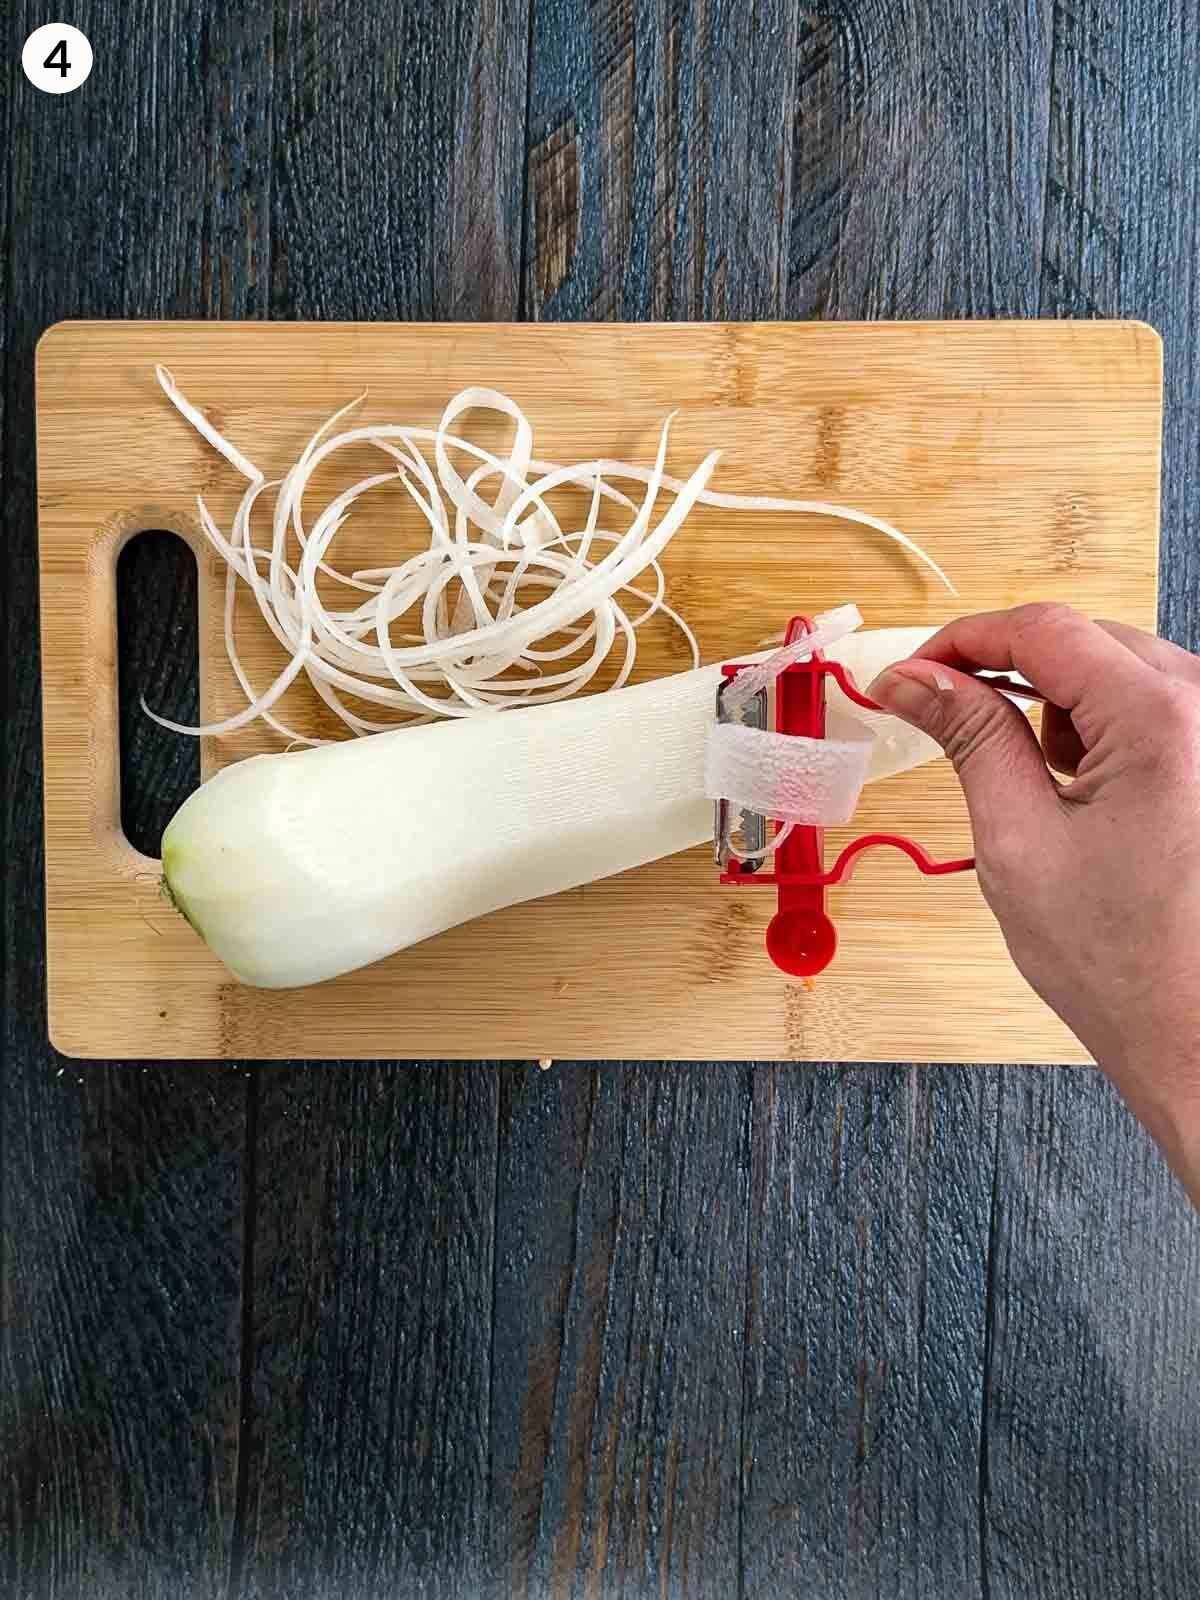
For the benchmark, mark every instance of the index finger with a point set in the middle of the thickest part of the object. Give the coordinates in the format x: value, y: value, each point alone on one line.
x: 1060, y: 652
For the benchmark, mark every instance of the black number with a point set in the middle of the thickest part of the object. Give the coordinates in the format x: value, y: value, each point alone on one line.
x: 58, y: 58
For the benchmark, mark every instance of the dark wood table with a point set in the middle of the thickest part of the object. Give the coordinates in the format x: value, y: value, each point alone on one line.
x: 325, y: 1330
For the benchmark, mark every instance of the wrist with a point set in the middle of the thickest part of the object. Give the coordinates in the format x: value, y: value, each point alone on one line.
x: 1162, y: 1088
x: 1183, y: 1147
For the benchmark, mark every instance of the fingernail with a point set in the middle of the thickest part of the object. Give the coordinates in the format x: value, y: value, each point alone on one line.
x: 908, y: 697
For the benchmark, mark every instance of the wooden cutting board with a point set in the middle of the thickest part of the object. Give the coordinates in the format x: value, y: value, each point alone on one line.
x: 1024, y: 456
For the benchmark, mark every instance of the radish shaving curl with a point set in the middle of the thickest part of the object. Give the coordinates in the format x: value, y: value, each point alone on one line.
x: 500, y: 577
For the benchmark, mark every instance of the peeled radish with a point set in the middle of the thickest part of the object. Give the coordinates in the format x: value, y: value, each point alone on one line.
x: 297, y: 867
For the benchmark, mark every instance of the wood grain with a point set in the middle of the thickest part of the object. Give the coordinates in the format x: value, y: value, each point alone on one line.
x: 1159, y: 255
x: 927, y: 424
x: 119, y: 1400
x: 899, y: 198
x: 124, y: 1491
x: 671, y: 115
x: 121, y: 1189
x: 619, y: 1331
x: 905, y: 201
x: 367, y: 1320
x: 871, y: 1205
x: 1079, y: 1413
x: 1099, y: 1397
x: 234, y: 160
x: 397, y: 159
x: 369, y: 1333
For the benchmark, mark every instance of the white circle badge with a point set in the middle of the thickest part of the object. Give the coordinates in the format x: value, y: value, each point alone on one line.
x: 57, y: 58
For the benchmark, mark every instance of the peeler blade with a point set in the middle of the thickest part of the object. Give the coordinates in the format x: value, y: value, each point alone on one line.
x: 753, y: 825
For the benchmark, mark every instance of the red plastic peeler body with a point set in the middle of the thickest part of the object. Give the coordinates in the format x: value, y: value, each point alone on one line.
x: 801, y: 938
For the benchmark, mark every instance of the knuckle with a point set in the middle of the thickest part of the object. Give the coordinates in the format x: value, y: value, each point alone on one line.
x: 1179, y: 706
x: 1172, y: 728
x: 1041, y: 616
x: 979, y: 729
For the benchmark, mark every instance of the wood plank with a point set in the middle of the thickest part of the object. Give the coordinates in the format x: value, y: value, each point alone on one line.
x: 916, y: 171
x: 1092, y: 1444
x: 658, y: 173
x: 1035, y: 1316
x: 1092, y: 1427
x: 918, y: 160
x: 871, y: 1200
x: 369, y: 1323
x: 1159, y: 271
x: 620, y: 1294
x: 620, y: 1334
x: 1025, y: 455
x: 119, y: 1372
x: 369, y: 1277
x: 398, y: 187
x: 122, y: 1187
x: 1086, y: 206
x: 805, y: 204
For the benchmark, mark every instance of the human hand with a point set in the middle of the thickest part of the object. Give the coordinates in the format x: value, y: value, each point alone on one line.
x: 1095, y: 881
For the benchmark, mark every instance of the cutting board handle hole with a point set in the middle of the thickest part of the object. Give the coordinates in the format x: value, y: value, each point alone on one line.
x: 158, y: 658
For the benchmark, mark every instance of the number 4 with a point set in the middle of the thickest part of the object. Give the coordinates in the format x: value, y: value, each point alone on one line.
x: 58, y: 58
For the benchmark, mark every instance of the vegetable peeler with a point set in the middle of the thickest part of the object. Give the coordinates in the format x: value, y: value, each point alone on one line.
x: 801, y: 939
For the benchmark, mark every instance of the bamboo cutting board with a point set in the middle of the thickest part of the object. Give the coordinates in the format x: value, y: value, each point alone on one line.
x: 1024, y: 456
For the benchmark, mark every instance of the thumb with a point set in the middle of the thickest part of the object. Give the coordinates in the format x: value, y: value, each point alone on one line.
x: 991, y: 744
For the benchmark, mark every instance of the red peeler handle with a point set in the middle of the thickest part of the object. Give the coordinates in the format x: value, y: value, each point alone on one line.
x: 801, y: 939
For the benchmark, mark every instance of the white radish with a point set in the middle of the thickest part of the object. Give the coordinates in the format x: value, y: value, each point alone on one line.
x: 297, y: 867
